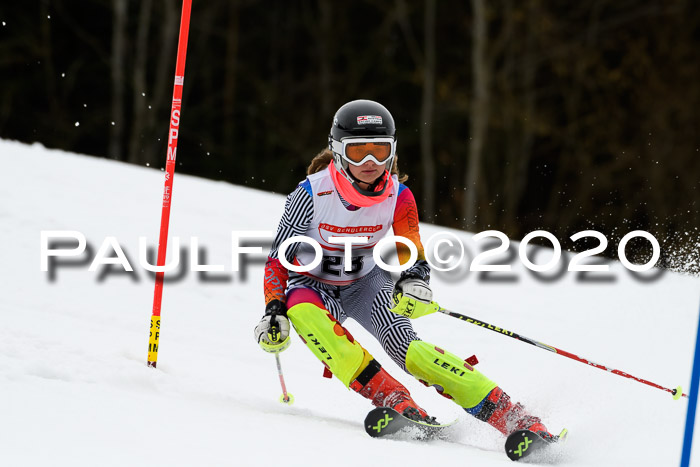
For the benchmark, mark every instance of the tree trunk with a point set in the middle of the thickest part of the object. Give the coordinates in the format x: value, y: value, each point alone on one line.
x: 162, y: 85
x: 139, y: 79
x: 231, y: 69
x: 479, y: 114
x: 325, y: 57
x: 116, y: 131
x: 520, y: 151
x: 49, y: 68
x: 427, y: 106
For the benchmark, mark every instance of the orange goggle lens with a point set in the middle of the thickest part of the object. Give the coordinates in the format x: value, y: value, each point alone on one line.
x: 356, y: 152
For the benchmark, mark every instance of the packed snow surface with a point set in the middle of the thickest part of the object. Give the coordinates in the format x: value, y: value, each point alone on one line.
x: 75, y: 389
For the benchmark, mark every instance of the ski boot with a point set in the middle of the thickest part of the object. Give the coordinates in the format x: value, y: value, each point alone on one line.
x: 375, y: 384
x: 498, y: 411
x: 348, y: 361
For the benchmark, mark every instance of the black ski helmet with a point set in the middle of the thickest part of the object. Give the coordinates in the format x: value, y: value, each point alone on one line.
x: 360, y: 119
x: 353, y: 120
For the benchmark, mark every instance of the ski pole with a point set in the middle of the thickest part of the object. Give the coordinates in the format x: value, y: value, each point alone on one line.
x: 286, y: 397
x: 676, y: 392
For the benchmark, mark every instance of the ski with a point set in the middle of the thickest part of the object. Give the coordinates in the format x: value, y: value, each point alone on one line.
x: 385, y: 421
x: 523, y: 443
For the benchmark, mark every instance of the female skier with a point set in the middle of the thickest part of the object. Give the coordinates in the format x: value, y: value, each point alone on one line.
x: 353, y: 190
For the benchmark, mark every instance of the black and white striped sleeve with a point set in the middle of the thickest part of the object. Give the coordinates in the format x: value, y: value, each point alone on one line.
x: 298, y: 213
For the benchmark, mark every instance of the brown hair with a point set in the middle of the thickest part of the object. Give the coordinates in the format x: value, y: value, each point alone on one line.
x: 325, y: 157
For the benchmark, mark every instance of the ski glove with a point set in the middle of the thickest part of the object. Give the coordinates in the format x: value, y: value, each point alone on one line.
x: 272, y: 332
x: 413, y: 297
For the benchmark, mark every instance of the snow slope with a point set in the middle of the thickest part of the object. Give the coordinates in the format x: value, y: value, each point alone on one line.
x: 75, y: 390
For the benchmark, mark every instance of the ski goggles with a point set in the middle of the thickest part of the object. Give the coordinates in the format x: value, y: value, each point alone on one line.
x: 357, y: 151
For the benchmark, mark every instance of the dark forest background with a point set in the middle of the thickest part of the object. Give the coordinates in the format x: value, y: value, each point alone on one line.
x: 511, y: 115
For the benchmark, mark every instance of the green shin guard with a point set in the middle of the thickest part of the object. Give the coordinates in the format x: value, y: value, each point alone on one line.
x: 328, y: 341
x: 458, y: 379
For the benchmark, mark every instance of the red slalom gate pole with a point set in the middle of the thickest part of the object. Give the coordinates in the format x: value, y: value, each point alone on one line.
x: 154, y: 334
x: 676, y: 392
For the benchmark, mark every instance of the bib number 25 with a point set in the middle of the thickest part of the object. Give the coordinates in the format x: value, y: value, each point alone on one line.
x: 334, y: 266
